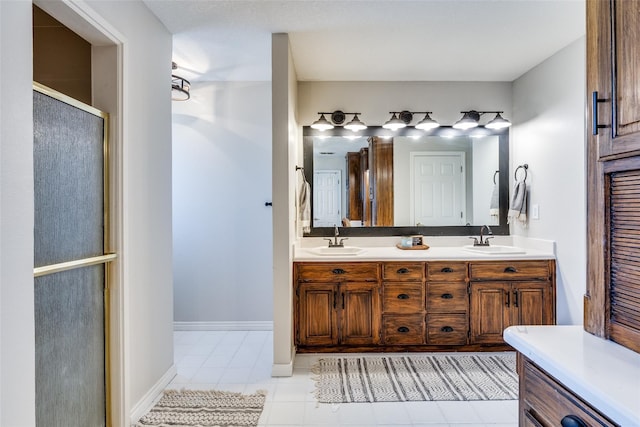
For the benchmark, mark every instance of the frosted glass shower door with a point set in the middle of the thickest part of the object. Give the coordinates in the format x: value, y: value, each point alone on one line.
x: 70, y: 256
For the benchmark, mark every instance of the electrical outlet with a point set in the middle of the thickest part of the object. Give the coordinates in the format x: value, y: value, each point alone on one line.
x: 535, y: 212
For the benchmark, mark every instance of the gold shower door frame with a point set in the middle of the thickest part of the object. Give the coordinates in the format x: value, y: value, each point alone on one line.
x: 108, y: 255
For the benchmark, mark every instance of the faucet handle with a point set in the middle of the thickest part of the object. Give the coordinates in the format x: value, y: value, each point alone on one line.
x: 475, y: 240
x: 486, y: 239
x: 342, y: 241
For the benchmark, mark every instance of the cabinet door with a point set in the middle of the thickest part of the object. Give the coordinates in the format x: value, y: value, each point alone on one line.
x: 490, y: 311
x: 613, y: 61
x: 359, y: 305
x: 317, y: 319
x: 531, y: 303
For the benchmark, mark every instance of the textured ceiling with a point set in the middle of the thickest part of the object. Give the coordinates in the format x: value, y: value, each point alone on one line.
x: 360, y: 40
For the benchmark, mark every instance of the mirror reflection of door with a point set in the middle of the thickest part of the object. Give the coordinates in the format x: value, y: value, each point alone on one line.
x: 437, y: 188
x: 327, y: 198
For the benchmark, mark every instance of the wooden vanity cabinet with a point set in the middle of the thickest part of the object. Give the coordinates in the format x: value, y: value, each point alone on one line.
x: 403, y: 300
x: 545, y: 402
x: 509, y: 293
x: 337, y: 304
x: 447, y: 303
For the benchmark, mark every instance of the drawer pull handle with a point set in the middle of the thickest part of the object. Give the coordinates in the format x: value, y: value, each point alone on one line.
x: 338, y: 271
x: 335, y: 299
x: 402, y: 271
x: 572, y: 421
x: 446, y: 296
x: 515, y: 298
x: 510, y: 270
x: 403, y: 329
x: 446, y: 329
x: 403, y: 296
x: 447, y: 270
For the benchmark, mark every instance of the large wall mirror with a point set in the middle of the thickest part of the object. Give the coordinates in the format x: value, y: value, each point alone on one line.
x: 440, y: 183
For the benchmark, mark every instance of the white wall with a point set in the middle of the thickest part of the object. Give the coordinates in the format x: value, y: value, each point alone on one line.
x: 145, y: 254
x: 221, y: 180
x: 549, y: 135
x: 17, y: 337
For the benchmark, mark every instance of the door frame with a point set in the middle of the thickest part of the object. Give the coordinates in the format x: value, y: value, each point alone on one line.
x: 463, y: 189
x: 109, y: 83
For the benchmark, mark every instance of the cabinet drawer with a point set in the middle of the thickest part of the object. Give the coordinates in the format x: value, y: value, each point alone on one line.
x: 337, y: 272
x: 547, y: 402
x: 447, y: 329
x: 446, y: 271
x: 514, y: 270
x: 405, y: 298
x: 447, y: 297
x: 403, y: 329
x: 398, y: 271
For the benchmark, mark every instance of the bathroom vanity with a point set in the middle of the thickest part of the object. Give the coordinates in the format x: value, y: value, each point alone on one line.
x: 444, y: 298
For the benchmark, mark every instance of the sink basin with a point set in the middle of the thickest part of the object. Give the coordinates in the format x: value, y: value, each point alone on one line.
x: 346, y: 250
x: 494, y: 249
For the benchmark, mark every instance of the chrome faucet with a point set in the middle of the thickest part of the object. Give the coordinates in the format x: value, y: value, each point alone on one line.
x: 335, y: 243
x: 484, y: 241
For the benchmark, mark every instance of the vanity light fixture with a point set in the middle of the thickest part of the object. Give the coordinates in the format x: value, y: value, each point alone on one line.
x: 180, y: 87
x: 498, y: 122
x: 471, y: 118
x: 337, y: 119
x: 355, y: 125
x: 427, y: 123
x: 394, y: 123
x: 322, y: 123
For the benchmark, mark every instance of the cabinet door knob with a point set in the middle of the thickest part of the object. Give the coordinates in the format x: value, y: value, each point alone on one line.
x: 446, y: 329
x: 510, y: 270
x: 403, y: 329
x: 403, y: 296
x: 402, y: 270
x: 572, y: 421
x: 446, y: 296
x: 338, y: 271
x: 447, y: 270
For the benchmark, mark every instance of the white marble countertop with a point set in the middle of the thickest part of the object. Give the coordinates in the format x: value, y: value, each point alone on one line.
x: 440, y: 249
x: 603, y: 373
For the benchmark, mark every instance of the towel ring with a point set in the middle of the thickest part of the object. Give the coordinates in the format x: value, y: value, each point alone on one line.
x: 525, y: 167
x: 494, y: 176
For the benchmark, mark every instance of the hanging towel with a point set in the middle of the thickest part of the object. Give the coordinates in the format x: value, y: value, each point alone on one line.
x: 518, y: 206
x: 304, y: 206
x: 494, y: 207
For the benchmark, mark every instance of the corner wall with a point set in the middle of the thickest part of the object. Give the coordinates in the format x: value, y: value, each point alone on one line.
x: 285, y: 143
x: 549, y: 136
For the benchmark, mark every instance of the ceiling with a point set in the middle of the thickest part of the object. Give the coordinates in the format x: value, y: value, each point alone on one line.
x: 362, y: 40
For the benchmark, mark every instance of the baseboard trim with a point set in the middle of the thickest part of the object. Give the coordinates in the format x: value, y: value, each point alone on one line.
x: 152, y: 396
x: 224, y: 326
x: 284, y: 369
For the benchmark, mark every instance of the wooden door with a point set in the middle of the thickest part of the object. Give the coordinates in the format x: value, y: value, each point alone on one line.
x: 531, y: 303
x: 381, y: 181
x: 613, y: 72
x: 437, y: 189
x: 354, y: 198
x: 326, y: 198
x: 490, y: 311
x: 317, y: 319
x: 359, y: 313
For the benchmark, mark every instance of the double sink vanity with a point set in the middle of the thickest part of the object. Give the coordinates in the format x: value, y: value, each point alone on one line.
x: 374, y: 296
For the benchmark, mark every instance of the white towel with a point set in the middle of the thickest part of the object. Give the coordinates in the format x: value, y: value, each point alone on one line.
x: 494, y: 207
x: 518, y: 206
x: 304, y: 206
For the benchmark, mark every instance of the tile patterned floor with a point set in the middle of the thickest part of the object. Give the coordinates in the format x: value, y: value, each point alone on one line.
x: 241, y: 361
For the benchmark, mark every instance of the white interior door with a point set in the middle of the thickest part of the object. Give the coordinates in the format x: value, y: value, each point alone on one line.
x: 437, y: 189
x: 326, y: 198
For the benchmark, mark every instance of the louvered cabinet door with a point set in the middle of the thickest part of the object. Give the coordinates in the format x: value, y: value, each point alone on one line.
x: 624, y: 252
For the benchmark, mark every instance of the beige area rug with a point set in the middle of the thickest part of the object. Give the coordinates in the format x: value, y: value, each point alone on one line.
x: 205, y: 408
x: 487, y: 376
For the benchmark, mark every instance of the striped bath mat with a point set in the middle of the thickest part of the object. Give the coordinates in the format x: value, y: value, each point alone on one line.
x: 468, y: 376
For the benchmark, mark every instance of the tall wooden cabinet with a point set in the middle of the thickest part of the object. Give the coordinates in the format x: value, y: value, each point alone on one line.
x: 612, y: 301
